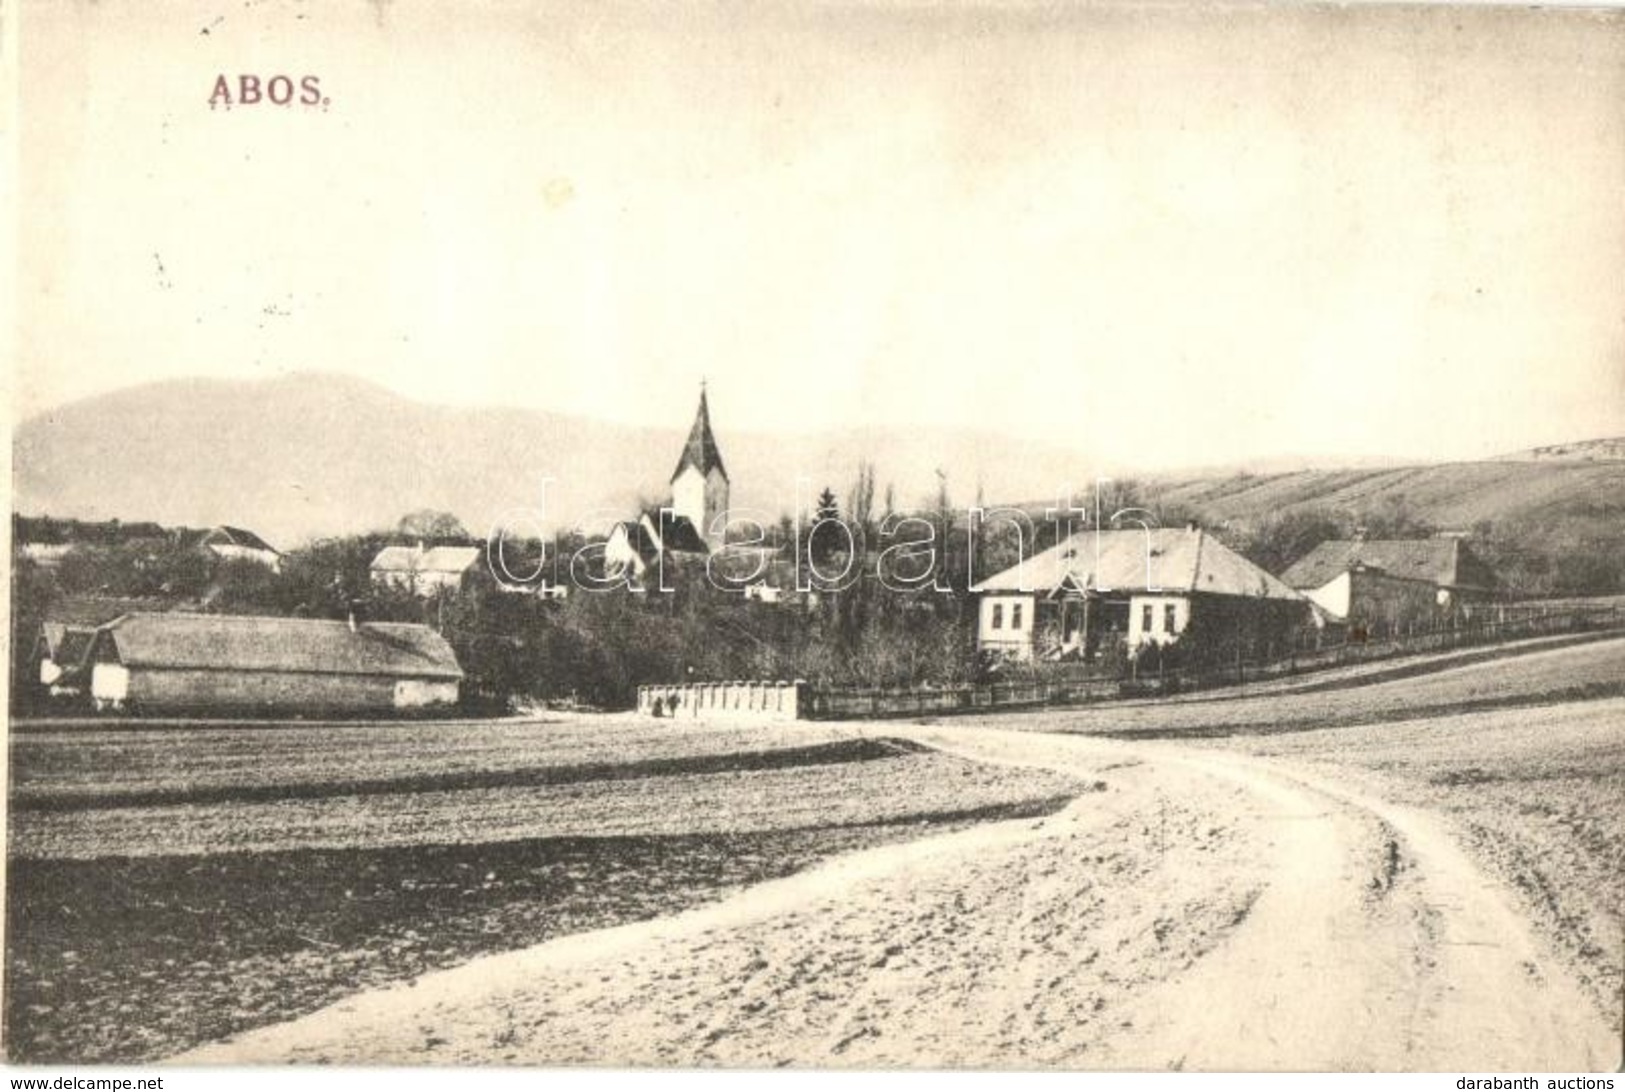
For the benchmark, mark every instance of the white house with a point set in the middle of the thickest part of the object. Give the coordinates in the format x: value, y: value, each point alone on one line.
x: 424, y: 571
x: 1132, y: 588
x: 238, y: 544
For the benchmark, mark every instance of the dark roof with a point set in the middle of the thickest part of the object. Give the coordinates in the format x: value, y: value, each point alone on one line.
x: 1447, y: 562
x: 71, y: 622
x: 64, y: 644
x: 236, y: 536
x: 1168, y: 559
x: 678, y: 533
x: 252, y: 643
x: 45, y: 531
x: 701, y: 450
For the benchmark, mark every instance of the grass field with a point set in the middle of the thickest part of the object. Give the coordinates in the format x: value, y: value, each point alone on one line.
x: 167, y: 888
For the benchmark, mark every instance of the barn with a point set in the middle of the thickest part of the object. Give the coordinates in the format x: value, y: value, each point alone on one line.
x: 230, y: 662
x: 1381, y: 587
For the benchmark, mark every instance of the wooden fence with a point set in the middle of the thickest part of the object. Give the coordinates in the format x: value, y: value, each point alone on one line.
x: 1074, y: 685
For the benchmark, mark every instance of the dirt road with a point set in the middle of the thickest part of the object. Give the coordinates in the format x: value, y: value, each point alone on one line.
x: 1208, y: 910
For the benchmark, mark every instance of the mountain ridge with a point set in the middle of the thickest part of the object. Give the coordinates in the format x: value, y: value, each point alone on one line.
x: 311, y: 453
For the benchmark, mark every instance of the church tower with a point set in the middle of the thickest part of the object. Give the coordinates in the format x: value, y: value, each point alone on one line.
x: 699, y: 485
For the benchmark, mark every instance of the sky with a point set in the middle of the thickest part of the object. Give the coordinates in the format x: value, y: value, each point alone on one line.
x: 1161, y: 234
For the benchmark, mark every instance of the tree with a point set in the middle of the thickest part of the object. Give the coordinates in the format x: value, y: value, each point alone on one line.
x: 1281, y: 540
x: 827, y: 508
x: 860, y: 499
x: 825, y: 537
x: 31, y: 592
x: 433, y: 525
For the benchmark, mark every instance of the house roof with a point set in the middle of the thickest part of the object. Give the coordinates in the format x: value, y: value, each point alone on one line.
x: 1166, y: 559
x: 235, y: 536
x: 72, y: 620
x: 638, y: 538
x: 677, y: 533
x: 66, y: 644
x: 1444, y: 561
x: 435, y: 559
x: 251, y: 643
x: 701, y: 450
x: 661, y: 530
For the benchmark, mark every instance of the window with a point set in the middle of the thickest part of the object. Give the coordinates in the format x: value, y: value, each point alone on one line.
x: 1015, y: 616
x: 998, y: 615
x: 1145, y: 619
x: 1170, y: 618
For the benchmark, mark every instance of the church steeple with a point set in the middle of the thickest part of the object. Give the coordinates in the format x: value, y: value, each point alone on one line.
x: 701, y: 450
x: 699, y: 485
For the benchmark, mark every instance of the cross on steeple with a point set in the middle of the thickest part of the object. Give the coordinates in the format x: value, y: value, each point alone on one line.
x: 701, y: 451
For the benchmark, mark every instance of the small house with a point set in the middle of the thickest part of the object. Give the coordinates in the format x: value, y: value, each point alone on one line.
x: 665, y: 536
x: 1096, y: 592
x: 234, y: 543
x: 424, y: 570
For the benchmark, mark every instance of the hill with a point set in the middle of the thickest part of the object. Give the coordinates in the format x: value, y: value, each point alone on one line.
x: 1612, y: 447
x: 1546, y: 526
x: 311, y: 455
x: 1446, y: 496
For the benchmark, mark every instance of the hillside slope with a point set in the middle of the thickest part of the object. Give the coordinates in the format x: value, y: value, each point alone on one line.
x: 1447, y: 495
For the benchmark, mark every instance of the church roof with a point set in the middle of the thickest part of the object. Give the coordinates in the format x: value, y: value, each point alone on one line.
x: 701, y: 451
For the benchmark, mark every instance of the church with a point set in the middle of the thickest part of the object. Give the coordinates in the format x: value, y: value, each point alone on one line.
x: 693, y: 525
